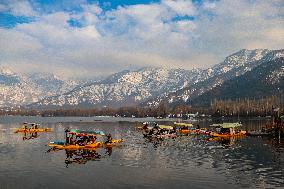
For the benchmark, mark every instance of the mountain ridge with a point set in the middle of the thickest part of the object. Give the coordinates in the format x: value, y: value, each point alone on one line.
x: 145, y: 87
x: 233, y: 66
x: 265, y: 80
x: 126, y: 87
x: 20, y: 89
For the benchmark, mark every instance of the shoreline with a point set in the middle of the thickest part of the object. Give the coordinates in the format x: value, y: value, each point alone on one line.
x: 108, y: 119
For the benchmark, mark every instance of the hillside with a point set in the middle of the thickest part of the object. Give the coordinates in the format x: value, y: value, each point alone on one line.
x: 233, y: 66
x: 265, y: 80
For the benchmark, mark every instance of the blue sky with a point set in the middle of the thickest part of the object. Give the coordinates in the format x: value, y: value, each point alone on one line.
x: 100, y: 37
x: 8, y: 20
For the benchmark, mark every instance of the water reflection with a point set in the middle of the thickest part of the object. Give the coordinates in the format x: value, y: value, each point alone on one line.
x: 255, y: 162
x: 81, y: 156
x: 184, y: 162
x: 250, y: 162
x: 30, y: 136
x: 108, y: 151
x: 226, y: 142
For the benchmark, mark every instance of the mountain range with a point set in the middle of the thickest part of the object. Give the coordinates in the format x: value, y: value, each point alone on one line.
x: 22, y: 89
x: 150, y: 86
x: 125, y: 88
x: 264, y: 80
x: 233, y: 67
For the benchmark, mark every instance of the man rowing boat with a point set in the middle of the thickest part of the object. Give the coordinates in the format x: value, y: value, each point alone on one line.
x: 109, y: 139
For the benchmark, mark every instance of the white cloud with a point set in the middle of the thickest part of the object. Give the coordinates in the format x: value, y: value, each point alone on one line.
x: 181, y: 7
x: 93, y: 8
x: 185, y: 26
x: 141, y: 35
x: 17, y: 44
x: 21, y: 8
x: 3, y: 8
x: 209, y: 5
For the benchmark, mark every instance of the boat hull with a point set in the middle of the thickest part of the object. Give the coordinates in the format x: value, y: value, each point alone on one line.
x: 33, y: 130
x: 62, y: 146
x: 242, y: 133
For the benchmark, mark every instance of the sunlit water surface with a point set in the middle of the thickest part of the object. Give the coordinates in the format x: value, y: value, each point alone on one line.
x: 184, y: 162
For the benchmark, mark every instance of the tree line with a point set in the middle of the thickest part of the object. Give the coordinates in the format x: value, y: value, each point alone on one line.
x: 265, y: 106
x: 162, y: 110
x: 240, y: 107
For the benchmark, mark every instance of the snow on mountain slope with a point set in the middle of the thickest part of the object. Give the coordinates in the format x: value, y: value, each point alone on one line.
x: 21, y: 89
x: 125, y: 88
x: 233, y: 66
x: 145, y: 87
x: 266, y: 79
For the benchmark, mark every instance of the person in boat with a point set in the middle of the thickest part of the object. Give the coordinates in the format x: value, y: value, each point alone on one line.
x: 92, y: 139
x: 174, y: 130
x: 86, y: 140
x: 109, y: 139
x: 224, y: 131
x: 67, y: 136
x: 151, y: 132
x: 71, y: 141
x: 156, y: 126
x: 156, y: 129
x: 145, y: 127
x: 80, y: 140
x: 184, y: 128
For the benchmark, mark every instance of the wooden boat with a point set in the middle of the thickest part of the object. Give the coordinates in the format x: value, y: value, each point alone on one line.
x: 185, y: 128
x: 31, y: 128
x: 89, y: 137
x: 227, y: 130
x: 64, y: 146
x: 183, y: 124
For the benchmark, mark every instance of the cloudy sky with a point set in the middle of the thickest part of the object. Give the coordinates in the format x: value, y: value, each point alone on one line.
x: 84, y: 38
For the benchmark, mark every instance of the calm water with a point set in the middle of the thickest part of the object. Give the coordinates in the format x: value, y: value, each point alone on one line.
x: 184, y: 162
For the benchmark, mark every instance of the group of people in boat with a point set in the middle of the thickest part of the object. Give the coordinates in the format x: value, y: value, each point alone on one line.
x: 156, y: 130
x: 274, y: 128
x: 33, y: 126
x: 228, y: 129
x: 83, y: 139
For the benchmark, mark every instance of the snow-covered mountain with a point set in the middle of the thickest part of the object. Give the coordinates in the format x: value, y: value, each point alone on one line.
x: 125, y: 88
x: 51, y: 84
x: 145, y: 87
x: 22, y: 89
x: 233, y: 66
x: 266, y: 79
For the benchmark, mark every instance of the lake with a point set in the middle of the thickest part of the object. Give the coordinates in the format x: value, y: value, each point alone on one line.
x: 185, y: 162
